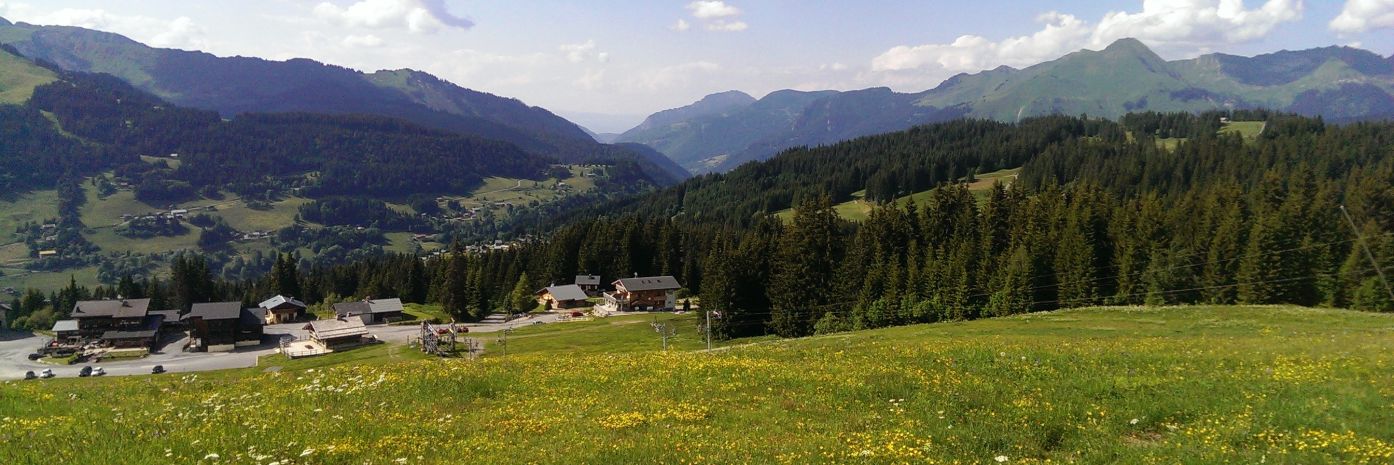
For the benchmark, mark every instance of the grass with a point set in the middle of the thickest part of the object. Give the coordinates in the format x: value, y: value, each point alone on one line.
x: 618, y: 334
x: 18, y: 78
x: 21, y: 279
x: 1249, y: 130
x: 427, y: 312
x: 858, y: 208
x: 36, y: 206
x: 1107, y: 385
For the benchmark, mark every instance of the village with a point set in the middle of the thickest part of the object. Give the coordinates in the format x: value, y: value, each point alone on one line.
x: 129, y: 337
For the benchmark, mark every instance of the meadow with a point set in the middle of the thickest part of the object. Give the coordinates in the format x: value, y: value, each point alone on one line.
x: 1103, y: 385
x: 858, y: 208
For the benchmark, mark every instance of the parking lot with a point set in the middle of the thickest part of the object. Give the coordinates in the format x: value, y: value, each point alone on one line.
x: 15, y: 348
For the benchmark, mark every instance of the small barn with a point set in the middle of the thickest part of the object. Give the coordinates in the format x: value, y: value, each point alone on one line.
x: 344, y: 332
x: 372, y: 311
x: 282, y: 309
x: 66, y: 332
x: 590, y: 283
x: 568, y: 296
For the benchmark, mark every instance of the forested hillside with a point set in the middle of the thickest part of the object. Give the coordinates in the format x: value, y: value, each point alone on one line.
x: 1102, y: 214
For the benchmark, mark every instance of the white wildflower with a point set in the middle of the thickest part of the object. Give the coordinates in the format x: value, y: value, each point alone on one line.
x: 1000, y: 458
x: 211, y: 456
x: 1133, y: 422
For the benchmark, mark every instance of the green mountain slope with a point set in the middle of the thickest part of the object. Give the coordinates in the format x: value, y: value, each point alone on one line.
x: 1338, y: 83
x: 236, y: 85
x: 19, y: 77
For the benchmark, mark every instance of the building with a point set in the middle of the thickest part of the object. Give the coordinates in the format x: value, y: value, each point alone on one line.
x: 644, y: 294
x: 343, y: 332
x: 96, y: 317
x: 5, y: 315
x: 372, y: 311
x: 568, y: 296
x: 590, y: 283
x: 223, y: 326
x: 65, y: 332
x: 282, y: 309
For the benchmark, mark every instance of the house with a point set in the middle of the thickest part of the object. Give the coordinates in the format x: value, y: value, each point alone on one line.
x: 5, y: 315
x: 372, y: 311
x: 343, y: 332
x: 223, y: 326
x: 282, y: 309
x: 590, y: 283
x: 96, y: 317
x: 65, y: 332
x: 133, y: 339
x: 568, y: 296
x: 641, y: 294
x: 48, y: 253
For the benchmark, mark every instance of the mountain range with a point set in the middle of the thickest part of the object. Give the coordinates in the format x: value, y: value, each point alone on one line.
x: 725, y: 130
x: 237, y: 85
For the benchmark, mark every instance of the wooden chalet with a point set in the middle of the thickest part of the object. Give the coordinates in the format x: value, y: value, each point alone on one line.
x: 590, y: 283
x: 66, y: 332
x: 372, y: 311
x: 568, y: 296
x: 282, y: 309
x: 339, y: 333
x: 652, y: 293
x: 96, y: 317
x: 224, y: 326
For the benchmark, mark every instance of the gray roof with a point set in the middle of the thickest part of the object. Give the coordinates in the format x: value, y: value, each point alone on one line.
x: 64, y: 325
x: 651, y: 283
x: 565, y: 293
x: 5, y: 306
x: 216, y: 311
x: 129, y: 308
x: 281, y: 300
x: 252, y: 317
x: 331, y: 329
x: 588, y: 280
x: 368, y: 306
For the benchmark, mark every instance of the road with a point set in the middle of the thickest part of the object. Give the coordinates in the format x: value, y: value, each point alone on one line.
x: 16, y: 346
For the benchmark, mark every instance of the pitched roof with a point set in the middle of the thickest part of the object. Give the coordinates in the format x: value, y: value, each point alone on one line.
x: 64, y: 325
x: 252, y: 317
x: 5, y: 306
x: 281, y: 300
x: 129, y: 308
x: 565, y: 293
x: 651, y: 283
x: 216, y: 311
x: 368, y: 306
x: 332, y: 329
x: 588, y: 280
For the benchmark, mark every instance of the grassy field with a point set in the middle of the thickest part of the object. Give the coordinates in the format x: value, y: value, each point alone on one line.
x: 22, y: 279
x: 858, y: 209
x: 1108, y: 385
x: 1250, y: 130
x: 521, y: 191
x: 18, y: 78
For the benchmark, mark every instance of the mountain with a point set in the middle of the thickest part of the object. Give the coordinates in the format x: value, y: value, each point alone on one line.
x: 1337, y: 83
x: 237, y: 85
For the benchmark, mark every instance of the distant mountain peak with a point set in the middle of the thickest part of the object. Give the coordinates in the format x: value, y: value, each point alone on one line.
x: 1127, y: 44
x: 5, y: 22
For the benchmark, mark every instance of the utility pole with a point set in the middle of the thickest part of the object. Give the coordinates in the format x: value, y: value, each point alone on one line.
x: 1368, y: 253
x: 709, y: 329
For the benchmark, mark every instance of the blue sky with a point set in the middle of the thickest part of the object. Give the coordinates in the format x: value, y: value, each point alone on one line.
x: 607, y: 64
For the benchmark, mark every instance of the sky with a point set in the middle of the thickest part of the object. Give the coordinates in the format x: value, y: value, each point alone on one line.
x: 607, y: 64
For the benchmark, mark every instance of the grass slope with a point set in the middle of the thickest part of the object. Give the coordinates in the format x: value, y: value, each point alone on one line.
x: 19, y: 77
x: 858, y: 209
x: 1110, y: 385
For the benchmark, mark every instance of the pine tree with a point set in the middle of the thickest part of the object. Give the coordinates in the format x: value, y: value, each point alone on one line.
x: 455, y: 295
x: 521, y: 300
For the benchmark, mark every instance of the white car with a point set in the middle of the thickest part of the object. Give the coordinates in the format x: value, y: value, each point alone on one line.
x: 98, y: 371
x: 47, y: 373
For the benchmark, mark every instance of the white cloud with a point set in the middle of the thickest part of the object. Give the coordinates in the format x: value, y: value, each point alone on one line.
x: 362, y: 41
x: 714, y: 15
x: 180, y: 32
x: 1172, y: 27
x: 585, y: 51
x: 712, y: 9
x: 1363, y: 15
x: 675, y: 76
x: 419, y: 16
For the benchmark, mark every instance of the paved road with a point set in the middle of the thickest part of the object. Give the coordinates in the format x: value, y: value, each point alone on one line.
x: 15, y: 348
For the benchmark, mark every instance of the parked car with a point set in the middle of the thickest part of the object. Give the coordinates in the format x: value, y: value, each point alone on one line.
x: 35, y: 356
x: 98, y: 371
x: 47, y: 373
x: 157, y: 370
x: 85, y: 372
x: 30, y: 375
x: 577, y: 314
